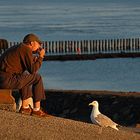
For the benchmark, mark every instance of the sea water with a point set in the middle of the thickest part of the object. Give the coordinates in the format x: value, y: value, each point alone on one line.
x: 69, y: 19
x: 118, y: 74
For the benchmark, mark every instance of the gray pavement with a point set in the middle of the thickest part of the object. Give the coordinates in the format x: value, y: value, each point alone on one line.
x: 15, y: 126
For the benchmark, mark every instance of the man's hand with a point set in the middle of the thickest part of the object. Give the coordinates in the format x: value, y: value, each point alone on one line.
x: 42, y: 53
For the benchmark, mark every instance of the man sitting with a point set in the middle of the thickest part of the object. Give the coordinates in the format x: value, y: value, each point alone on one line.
x: 18, y: 70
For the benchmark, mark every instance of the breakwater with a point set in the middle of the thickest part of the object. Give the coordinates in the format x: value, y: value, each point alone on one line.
x: 85, y: 49
x: 88, y: 49
x: 90, y: 46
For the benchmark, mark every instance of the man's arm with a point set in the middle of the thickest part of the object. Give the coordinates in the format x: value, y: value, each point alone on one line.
x: 30, y: 64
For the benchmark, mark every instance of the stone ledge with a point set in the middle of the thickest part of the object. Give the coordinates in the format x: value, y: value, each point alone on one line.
x: 7, y: 101
x: 8, y: 107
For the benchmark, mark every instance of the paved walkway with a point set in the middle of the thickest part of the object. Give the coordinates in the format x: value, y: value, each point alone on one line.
x: 15, y: 126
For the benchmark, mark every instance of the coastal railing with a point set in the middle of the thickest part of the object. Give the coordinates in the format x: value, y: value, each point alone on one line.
x: 130, y: 45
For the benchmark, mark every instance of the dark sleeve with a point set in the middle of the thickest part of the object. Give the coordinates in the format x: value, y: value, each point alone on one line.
x: 30, y: 65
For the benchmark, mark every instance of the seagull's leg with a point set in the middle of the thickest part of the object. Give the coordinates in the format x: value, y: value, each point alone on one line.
x: 100, y: 130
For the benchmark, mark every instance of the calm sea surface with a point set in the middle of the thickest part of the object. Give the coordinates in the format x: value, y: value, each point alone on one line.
x: 78, y: 20
x: 102, y: 74
x: 69, y: 19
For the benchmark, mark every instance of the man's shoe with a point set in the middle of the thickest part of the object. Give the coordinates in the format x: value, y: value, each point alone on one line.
x: 26, y: 111
x: 40, y: 113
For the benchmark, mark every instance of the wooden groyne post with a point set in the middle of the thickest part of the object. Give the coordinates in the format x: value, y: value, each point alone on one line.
x: 86, y: 49
x: 90, y: 46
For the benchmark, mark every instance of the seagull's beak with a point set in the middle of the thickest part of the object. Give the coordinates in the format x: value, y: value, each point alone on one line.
x: 90, y: 104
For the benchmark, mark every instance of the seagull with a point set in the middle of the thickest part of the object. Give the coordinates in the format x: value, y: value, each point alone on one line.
x: 100, y: 119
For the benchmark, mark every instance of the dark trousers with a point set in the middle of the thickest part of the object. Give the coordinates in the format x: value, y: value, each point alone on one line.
x: 29, y: 85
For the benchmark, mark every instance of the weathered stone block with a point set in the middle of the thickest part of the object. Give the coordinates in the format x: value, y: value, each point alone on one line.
x: 7, y: 101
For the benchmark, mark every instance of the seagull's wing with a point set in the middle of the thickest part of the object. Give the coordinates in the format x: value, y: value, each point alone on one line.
x: 104, y: 120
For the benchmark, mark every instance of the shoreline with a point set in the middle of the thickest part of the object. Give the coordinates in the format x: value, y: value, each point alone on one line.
x: 76, y: 57
x: 105, y: 92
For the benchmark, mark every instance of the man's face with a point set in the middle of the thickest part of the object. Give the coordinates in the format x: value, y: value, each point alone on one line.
x: 35, y: 46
